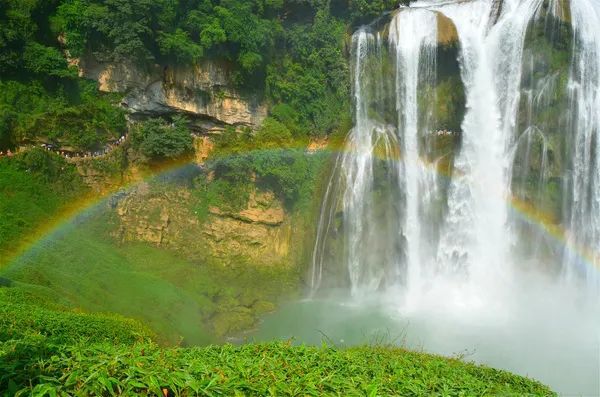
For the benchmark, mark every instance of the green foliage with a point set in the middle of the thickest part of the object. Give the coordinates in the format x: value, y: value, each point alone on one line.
x: 289, y: 117
x: 312, y: 78
x: 157, y: 139
x: 291, y: 173
x: 16, y: 28
x: 269, y: 157
x: 222, y: 193
x: 79, y: 118
x: 273, y: 134
x: 241, y: 31
x: 179, y: 47
x: 113, y: 29
x: 181, y: 301
x: 34, y: 187
x: 45, y: 60
x: 259, y: 370
x: 291, y: 52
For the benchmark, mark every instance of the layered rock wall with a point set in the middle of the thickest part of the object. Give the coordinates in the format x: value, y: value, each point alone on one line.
x: 203, y: 91
x: 260, y: 234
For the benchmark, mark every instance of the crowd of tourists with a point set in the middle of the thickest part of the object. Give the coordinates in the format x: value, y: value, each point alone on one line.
x: 85, y: 154
x: 69, y: 154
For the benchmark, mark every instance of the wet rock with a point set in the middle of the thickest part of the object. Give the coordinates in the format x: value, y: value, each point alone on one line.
x: 446, y: 32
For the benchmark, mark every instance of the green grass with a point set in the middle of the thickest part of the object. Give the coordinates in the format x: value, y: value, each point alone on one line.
x: 22, y: 314
x: 105, y: 369
x: 48, y: 350
x: 34, y: 188
x: 83, y: 316
x: 34, y: 327
x: 183, y: 302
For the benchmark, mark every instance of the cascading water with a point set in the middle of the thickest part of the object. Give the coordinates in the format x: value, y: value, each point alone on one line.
x: 367, y: 174
x: 470, y: 228
x: 413, y: 40
x: 372, y: 182
x: 473, y: 229
x: 470, y: 235
x: 477, y: 235
x: 583, y: 189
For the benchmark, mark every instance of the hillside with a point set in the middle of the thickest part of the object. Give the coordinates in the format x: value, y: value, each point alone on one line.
x: 48, y: 351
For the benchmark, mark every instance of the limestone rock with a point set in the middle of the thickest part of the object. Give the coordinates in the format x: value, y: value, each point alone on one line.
x: 155, y: 217
x: 203, y: 146
x: 203, y: 91
x: 317, y: 144
x: 259, y: 235
x: 262, y: 208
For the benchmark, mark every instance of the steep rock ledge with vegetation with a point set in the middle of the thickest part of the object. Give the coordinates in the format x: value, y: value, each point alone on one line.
x: 203, y: 91
x: 260, y: 234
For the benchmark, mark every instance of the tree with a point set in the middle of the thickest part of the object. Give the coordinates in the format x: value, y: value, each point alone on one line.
x: 48, y: 61
x: 179, y: 46
x: 157, y: 139
x: 16, y: 29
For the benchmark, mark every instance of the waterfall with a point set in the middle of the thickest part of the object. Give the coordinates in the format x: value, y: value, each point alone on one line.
x: 415, y: 63
x: 411, y: 205
x: 583, y: 189
x: 476, y: 236
x: 365, y: 172
x: 375, y: 188
x: 465, y: 204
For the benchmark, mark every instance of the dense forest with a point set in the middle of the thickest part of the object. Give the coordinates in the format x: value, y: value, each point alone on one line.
x: 290, y: 52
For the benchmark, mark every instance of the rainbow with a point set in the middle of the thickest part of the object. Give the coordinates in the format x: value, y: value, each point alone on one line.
x: 525, y: 211
x: 85, y: 204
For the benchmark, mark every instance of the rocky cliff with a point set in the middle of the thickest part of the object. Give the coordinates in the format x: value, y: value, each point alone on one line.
x: 259, y: 235
x: 204, y: 92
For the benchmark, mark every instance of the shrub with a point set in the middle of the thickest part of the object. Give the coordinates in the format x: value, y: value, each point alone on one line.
x: 273, y: 134
x: 157, y: 139
x: 261, y: 370
x: 79, y: 117
x: 291, y: 173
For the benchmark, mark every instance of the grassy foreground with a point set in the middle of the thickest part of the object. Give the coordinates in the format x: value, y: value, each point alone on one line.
x: 48, y: 351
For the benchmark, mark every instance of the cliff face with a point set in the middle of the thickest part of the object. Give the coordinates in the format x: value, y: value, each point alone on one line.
x: 259, y: 235
x: 203, y: 91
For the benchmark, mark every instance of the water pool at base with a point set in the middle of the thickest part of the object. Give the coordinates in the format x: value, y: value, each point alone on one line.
x: 528, y: 339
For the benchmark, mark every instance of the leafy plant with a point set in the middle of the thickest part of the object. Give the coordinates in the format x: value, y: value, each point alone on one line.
x: 158, y: 139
